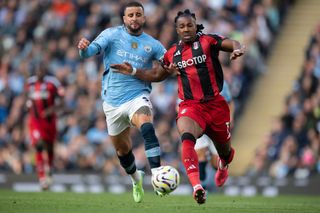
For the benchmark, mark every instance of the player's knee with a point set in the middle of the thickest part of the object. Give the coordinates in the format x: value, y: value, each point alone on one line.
x: 123, y: 147
x: 145, y: 110
x: 123, y: 150
x: 139, y: 119
x: 121, y: 143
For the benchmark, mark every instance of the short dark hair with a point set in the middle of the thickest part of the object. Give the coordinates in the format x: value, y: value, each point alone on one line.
x: 185, y: 13
x: 132, y: 4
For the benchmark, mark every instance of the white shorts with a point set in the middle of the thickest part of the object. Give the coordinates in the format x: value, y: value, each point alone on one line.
x: 203, y: 142
x: 119, y: 118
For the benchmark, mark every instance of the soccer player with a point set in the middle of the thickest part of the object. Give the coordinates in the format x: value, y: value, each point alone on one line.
x: 126, y: 99
x: 43, y: 93
x: 200, y: 79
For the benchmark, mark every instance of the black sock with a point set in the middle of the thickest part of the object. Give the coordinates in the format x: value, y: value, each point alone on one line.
x: 202, y: 170
x: 229, y: 157
x: 152, y: 147
x: 128, y: 163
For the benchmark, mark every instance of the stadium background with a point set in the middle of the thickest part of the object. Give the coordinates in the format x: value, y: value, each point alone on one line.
x: 268, y: 162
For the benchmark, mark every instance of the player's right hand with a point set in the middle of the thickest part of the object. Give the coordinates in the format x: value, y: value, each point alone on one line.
x: 124, y: 68
x: 238, y: 52
x: 83, y: 44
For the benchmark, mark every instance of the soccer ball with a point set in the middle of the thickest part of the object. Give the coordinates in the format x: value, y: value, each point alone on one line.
x: 165, y: 179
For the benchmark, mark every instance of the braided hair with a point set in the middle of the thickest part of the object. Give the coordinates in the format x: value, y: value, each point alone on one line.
x: 185, y: 13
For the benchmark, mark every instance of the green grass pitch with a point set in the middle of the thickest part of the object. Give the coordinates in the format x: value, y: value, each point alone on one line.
x: 110, y: 203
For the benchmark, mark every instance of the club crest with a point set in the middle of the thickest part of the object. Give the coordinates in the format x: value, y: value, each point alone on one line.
x: 147, y: 49
x: 134, y: 45
x: 195, y: 45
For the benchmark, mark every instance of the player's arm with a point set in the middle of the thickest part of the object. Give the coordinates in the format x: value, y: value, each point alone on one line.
x: 59, y: 104
x: 233, y: 46
x: 25, y: 97
x: 57, y: 107
x: 158, y: 72
x: 86, y: 49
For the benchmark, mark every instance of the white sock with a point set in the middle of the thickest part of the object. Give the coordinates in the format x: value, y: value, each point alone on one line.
x: 153, y: 170
x: 197, y: 186
x: 135, y: 177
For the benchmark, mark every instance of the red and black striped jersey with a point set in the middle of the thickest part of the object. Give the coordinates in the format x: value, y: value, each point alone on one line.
x: 42, y: 94
x: 201, y: 75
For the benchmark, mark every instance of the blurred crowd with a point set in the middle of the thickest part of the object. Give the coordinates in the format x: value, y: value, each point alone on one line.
x: 292, y: 148
x: 48, y: 30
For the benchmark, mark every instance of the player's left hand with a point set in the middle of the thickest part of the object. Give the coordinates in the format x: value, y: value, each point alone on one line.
x: 237, y: 53
x: 124, y: 68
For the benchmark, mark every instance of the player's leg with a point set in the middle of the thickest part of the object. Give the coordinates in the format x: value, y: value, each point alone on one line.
x: 49, y: 147
x: 214, y: 155
x: 142, y: 120
x: 201, y: 149
x: 141, y: 117
x: 38, y: 144
x: 119, y: 132
x: 189, y: 131
x: 219, y: 132
x: 48, y: 133
x: 209, y: 151
x: 202, y: 163
x: 40, y: 164
x: 123, y: 147
x: 226, y: 153
x: 214, y: 161
x: 206, y: 151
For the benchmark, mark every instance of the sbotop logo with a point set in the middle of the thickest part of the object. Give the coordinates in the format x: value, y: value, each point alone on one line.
x: 192, y: 61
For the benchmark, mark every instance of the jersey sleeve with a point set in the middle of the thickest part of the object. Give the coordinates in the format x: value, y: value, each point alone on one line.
x: 159, y: 51
x: 100, y: 43
x: 103, y: 40
x: 28, y: 83
x: 58, y: 89
x: 165, y: 60
x: 217, y: 40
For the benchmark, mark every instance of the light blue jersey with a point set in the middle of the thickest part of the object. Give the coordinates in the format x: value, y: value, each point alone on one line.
x: 118, y: 46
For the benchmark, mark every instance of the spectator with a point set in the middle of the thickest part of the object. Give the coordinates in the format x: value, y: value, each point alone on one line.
x: 294, y: 145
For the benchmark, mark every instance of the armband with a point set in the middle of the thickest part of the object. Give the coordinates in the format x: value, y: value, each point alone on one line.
x: 134, y: 71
